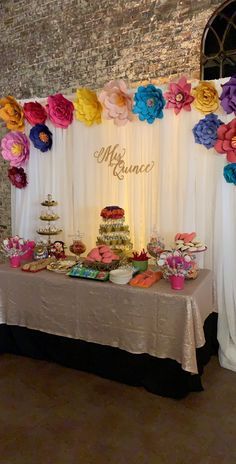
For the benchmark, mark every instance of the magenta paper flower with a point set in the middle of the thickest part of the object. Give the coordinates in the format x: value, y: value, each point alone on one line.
x: 60, y: 110
x: 15, y: 148
x: 34, y: 113
x: 117, y: 103
x: 178, y: 96
x: 17, y: 177
x: 226, y: 140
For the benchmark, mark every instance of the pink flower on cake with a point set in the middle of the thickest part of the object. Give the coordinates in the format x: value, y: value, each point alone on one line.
x: 17, y: 177
x: 15, y: 148
x: 117, y: 103
x: 178, y: 96
x: 34, y: 113
x: 60, y: 110
x: 226, y: 140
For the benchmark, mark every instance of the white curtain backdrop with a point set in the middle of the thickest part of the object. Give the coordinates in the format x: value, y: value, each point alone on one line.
x: 184, y: 192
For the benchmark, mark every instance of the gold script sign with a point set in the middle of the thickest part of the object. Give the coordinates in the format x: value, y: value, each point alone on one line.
x: 114, y: 156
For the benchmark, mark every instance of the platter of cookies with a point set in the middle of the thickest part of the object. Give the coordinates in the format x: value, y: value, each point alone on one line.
x: 36, y: 266
x: 61, y: 266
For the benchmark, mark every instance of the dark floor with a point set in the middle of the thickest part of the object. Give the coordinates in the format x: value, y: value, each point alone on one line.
x: 54, y: 415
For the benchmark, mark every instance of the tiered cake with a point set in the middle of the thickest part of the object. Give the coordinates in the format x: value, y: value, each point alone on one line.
x: 113, y: 231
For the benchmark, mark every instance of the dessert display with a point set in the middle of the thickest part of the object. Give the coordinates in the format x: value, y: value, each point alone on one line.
x: 49, y: 216
x: 189, y: 243
x: 113, y: 231
x: 102, y: 257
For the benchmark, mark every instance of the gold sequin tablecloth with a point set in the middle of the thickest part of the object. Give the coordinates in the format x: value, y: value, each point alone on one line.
x: 159, y: 321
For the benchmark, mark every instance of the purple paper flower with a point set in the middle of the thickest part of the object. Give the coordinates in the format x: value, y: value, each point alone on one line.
x: 15, y: 148
x: 205, y: 131
x: 228, y: 96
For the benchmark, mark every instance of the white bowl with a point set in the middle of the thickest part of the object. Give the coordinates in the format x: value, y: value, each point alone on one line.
x: 120, y: 276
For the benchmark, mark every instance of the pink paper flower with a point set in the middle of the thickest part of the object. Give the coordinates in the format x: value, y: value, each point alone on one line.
x: 17, y: 177
x: 117, y: 103
x: 15, y: 148
x: 34, y: 113
x: 60, y: 110
x: 178, y: 96
x: 226, y: 143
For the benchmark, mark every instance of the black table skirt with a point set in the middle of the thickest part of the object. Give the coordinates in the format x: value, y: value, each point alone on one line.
x: 164, y: 377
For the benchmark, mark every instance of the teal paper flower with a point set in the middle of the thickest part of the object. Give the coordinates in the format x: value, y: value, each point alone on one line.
x: 149, y: 103
x: 230, y: 173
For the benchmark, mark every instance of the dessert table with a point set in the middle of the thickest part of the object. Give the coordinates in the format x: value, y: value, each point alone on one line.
x: 139, y: 336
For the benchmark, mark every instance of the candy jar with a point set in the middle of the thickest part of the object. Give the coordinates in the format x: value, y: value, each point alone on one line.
x: 156, y: 244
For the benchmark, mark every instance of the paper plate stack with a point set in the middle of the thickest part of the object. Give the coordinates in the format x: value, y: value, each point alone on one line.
x: 120, y: 276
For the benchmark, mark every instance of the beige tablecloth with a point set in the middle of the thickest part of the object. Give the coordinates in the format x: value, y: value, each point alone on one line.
x: 162, y: 322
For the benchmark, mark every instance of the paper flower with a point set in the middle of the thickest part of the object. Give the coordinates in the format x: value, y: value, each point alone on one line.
x: 15, y: 148
x: 60, y: 110
x: 226, y: 140
x: 41, y: 137
x: 34, y: 113
x: 230, y: 173
x: 17, y: 177
x: 149, y: 103
x: 117, y: 103
x: 12, y: 113
x: 88, y: 108
x: 178, y: 96
x: 205, y: 131
x: 206, y: 97
x: 228, y: 96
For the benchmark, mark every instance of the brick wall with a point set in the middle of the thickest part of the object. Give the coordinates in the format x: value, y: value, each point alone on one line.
x: 56, y: 45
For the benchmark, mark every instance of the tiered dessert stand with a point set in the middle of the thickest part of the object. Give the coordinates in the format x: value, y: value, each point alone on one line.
x: 49, y: 217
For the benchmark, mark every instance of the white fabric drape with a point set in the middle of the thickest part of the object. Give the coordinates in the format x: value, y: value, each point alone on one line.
x: 185, y: 191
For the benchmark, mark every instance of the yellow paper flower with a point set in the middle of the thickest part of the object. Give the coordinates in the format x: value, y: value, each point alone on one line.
x: 206, y: 97
x: 12, y: 113
x: 88, y: 108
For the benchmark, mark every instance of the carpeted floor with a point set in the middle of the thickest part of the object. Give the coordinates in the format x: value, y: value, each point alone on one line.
x: 53, y: 415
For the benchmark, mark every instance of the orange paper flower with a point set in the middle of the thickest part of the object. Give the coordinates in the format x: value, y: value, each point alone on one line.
x: 12, y: 113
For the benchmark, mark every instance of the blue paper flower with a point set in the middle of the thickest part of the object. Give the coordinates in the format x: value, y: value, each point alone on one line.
x: 149, y: 103
x: 41, y: 137
x: 205, y: 131
x: 230, y: 173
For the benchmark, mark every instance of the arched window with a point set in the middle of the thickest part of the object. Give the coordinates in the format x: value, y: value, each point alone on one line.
x: 218, y: 55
